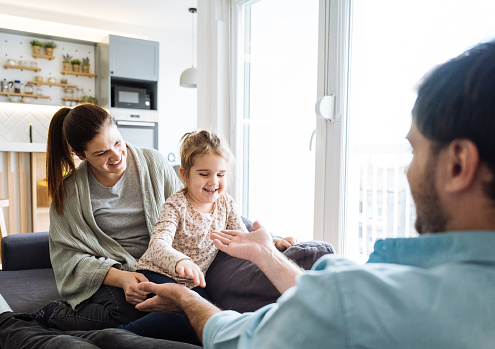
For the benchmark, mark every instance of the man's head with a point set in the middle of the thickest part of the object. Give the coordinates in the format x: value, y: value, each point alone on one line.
x: 453, y: 136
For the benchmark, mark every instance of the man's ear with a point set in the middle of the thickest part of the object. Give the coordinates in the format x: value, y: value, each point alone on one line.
x: 463, y: 163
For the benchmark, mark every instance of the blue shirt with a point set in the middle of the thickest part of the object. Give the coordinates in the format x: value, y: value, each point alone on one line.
x: 433, y: 291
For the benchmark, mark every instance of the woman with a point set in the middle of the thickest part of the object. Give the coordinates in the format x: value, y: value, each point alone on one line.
x: 101, y: 218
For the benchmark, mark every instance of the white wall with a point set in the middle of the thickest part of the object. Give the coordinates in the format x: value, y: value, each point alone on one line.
x: 165, y: 21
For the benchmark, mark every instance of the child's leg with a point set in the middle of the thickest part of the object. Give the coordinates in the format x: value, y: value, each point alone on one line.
x: 171, y: 326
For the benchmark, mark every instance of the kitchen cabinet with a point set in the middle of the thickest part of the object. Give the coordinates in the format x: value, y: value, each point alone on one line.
x: 131, y: 63
x: 133, y: 58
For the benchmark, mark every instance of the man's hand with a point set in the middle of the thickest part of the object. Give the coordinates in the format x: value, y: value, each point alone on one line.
x: 257, y: 247
x: 186, y: 268
x: 172, y: 298
x: 166, y: 299
x: 252, y: 246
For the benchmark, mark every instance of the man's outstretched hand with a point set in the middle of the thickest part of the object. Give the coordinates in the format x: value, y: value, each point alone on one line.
x: 253, y: 246
x: 257, y: 247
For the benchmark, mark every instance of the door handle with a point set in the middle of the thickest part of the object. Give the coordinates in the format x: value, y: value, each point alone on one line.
x: 325, y: 107
x: 315, y: 131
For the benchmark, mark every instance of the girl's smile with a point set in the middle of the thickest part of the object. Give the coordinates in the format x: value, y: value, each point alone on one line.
x: 206, y: 181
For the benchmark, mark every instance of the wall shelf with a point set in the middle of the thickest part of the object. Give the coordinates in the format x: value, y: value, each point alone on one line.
x: 8, y: 94
x: 71, y: 99
x: 21, y: 67
x: 49, y: 57
x: 51, y: 84
x: 77, y: 73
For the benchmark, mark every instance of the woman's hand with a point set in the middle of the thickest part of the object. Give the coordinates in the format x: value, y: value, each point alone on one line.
x: 186, y: 268
x: 285, y: 243
x: 128, y: 281
x: 130, y: 284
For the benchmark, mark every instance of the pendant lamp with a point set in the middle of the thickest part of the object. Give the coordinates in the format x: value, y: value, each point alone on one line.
x: 188, y: 76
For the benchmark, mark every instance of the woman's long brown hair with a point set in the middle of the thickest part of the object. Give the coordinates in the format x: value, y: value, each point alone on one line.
x: 70, y: 131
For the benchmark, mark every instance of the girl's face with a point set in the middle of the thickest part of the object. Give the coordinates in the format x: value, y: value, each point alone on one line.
x: 206, y: 181
x: 106, y: 155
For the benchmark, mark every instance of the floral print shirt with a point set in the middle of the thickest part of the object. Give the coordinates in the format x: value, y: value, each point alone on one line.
x: 181, y: 232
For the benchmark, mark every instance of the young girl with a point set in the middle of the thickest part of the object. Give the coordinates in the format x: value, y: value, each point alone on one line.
x: 180, y: 248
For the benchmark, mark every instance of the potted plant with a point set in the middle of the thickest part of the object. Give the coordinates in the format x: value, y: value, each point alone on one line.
x: 49, y: 46
x: 89, y: 99
x: 36, y: 44
x: 85, y: 65
x: 76, y: 65
x: 66, y: 62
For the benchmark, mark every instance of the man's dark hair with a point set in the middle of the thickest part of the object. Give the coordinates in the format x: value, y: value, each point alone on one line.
x: 457, y: 101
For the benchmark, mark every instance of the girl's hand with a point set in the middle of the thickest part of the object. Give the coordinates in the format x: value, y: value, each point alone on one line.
x: 188, y: 269
x: 285, y: 243
x: 130, y: 282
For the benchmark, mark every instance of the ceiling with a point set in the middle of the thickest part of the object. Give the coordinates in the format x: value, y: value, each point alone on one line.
x: 162, y: 14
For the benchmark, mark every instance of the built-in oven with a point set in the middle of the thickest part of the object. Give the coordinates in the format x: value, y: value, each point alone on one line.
x: 137, y: 127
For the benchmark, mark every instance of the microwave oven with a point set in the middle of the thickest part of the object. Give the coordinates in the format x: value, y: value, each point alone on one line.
x: 130, y: 97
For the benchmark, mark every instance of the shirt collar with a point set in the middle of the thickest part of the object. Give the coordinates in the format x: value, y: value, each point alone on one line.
x: 433, y: 249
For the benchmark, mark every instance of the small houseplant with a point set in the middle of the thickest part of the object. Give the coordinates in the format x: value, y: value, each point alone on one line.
x: 85, y: 65
x: 49, y: 46
x: 76, y: 65
x: 89, y: 99
x: 36, y: 44
x: 66, y: 62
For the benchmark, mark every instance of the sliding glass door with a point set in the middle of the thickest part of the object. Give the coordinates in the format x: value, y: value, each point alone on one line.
x: 392, y: 44
x: 277, y: 72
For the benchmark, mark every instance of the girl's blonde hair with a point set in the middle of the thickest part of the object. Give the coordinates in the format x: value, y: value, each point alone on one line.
x: 194, y: 144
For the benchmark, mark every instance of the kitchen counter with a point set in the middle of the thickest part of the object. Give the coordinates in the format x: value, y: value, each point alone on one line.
x: 23, y: 147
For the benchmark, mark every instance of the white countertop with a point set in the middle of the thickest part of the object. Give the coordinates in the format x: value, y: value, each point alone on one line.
x: 23, y: 147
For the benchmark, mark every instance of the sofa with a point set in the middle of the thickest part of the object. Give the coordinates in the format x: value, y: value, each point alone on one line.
x: 27, y: 280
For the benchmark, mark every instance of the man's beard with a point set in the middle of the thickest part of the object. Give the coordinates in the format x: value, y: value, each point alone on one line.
x: 430, y: 216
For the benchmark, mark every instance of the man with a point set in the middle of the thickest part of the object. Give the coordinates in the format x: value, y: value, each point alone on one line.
x: 434, y: 291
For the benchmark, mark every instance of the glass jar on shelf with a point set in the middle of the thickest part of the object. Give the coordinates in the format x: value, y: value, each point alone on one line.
x: 17, y: 86
x: 39, y: 90
x: 69, y: 93
x: 28, y: 89
x: 79, y: 92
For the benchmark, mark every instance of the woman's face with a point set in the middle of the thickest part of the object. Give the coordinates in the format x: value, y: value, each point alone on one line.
x: 107, y: 155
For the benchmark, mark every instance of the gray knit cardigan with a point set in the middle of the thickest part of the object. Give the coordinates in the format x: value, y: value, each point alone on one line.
x: 81, y: 253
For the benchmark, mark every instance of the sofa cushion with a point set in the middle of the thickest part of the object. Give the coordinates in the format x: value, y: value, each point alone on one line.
x: 28, y: 290
x: 237, y: 284
x: 25, y: 251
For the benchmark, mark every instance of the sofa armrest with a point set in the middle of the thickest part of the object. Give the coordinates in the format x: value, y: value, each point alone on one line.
x: 26, y: 251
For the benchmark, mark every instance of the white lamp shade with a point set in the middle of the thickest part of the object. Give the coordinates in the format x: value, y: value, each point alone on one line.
x: 188, y: 78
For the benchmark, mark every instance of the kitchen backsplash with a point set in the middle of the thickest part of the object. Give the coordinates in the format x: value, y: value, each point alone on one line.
x: 15, y: 119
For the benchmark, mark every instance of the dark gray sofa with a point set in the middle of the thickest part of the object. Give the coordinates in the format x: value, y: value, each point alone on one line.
x: 27, y: 281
